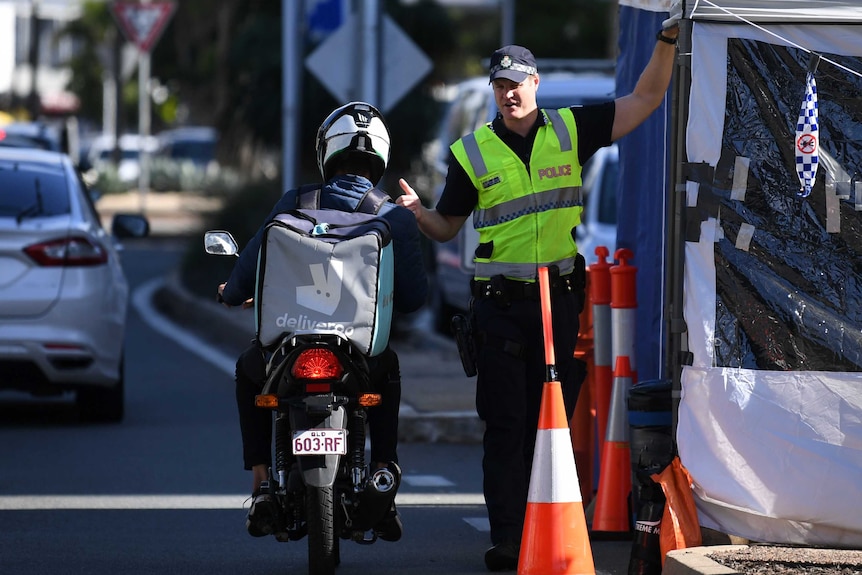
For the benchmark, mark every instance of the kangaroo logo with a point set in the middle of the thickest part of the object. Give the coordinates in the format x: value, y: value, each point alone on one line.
x: 324, y: 294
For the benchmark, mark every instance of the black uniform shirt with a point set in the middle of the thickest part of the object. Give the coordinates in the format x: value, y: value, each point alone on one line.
x: 594, y: 124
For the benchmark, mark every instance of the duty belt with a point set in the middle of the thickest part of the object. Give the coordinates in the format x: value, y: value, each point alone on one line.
x: 505, y: 289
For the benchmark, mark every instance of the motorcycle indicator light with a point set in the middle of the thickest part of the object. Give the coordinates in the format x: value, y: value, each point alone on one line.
x: 269, y: 400
x: 317, y: 363
x: 370, y: 399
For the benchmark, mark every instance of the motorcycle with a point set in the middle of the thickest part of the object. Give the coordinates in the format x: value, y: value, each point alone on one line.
x: 319, y: 386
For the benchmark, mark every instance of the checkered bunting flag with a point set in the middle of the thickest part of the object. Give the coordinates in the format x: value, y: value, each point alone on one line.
x: 807, y: 138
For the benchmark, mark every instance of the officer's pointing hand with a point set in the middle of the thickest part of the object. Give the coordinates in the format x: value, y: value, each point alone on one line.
x: 410, y: 199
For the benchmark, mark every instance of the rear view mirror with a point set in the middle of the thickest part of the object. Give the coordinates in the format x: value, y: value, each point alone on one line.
x: 220, y: 243
x: 130, y: 226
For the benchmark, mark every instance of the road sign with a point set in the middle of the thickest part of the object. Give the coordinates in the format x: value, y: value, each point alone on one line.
x: 403, y: 63
x: 143, y: 22
x: 323, y: 17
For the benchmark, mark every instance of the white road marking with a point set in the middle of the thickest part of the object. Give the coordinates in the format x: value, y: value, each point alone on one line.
x: 142, y: 301
x: 478, y: 523
x: 426, y: 481
x: 132, y: 502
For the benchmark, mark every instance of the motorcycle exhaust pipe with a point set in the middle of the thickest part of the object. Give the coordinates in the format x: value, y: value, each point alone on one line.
x: 377, y: 497
x: 383, y: 481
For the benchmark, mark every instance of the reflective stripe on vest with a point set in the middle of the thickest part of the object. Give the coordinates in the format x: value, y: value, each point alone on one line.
x: 521, y: 271
x: 538, y: 202
x: 529, y: 218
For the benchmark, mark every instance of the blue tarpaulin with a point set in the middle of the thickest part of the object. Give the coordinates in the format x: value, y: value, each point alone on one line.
x: 644, y: 161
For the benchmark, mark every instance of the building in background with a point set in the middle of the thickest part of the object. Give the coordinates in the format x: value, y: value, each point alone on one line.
x: 20, y: 22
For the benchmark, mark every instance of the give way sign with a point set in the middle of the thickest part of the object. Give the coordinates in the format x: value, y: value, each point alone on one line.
x: 143, y: 22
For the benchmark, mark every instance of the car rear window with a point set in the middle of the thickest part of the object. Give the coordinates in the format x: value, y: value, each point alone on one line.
x: 201, y: 152
x: 125, y: 154
x: 19, y: 141
x: 28, y: 190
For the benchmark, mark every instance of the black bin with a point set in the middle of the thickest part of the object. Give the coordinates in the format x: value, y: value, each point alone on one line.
x: 650, y: 406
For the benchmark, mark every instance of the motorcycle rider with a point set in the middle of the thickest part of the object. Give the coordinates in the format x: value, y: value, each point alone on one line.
x: 352, y: 148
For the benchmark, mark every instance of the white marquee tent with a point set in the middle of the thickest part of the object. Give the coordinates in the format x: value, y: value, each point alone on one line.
x: 750, y: 294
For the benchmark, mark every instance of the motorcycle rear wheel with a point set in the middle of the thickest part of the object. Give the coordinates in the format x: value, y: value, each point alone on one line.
x: 323, y: 544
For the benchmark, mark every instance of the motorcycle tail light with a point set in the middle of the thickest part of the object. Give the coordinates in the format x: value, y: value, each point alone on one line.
x: 270, y: 401
x: 317, y: 363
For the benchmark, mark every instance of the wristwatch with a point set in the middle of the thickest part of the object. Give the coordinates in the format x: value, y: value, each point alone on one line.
x: 664, y: 38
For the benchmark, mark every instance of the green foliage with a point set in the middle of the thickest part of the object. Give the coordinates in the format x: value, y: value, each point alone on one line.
x: 234, y: 74
x: 168, y: 175
x: 221, y: 62
x: 571, y: 29
x: 242, y: 215
x: 255, y: 63
x: 93, y: 29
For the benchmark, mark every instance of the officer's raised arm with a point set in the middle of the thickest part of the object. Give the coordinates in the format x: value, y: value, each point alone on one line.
x: 648, y: 93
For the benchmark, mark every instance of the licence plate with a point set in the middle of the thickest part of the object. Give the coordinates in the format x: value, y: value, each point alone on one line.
x: 320, y: 442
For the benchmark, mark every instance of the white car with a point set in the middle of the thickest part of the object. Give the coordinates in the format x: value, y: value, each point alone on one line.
x: 63, y: 293
x: 472, y: 104
x: 599, y: 221
x: 195, y: 145
x: 131, y: 145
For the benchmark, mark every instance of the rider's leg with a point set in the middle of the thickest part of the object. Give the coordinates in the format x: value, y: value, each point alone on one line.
x: 255, y: 423
x: 256, y: 428
x: 383, y: 428
x: 383, y: 419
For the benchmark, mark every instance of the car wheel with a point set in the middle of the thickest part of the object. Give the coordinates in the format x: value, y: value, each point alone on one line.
x: 103, y: 404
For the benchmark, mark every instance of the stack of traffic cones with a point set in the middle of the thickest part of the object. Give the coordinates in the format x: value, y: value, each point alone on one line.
x: 555, y: 539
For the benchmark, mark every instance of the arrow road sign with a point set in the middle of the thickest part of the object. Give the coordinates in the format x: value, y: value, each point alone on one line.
x: 143, y: 22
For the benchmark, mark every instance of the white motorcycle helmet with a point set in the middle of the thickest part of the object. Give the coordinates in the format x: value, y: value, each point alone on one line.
x: 355, y: 128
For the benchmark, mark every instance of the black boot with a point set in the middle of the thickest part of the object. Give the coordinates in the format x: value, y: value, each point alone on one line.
x: 502, y: 557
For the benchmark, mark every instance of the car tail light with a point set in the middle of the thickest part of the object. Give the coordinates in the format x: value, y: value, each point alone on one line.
x: 74, y: 251
x: 317, y: 364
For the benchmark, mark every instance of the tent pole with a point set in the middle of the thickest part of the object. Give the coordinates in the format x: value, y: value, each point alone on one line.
x: 678, y: 346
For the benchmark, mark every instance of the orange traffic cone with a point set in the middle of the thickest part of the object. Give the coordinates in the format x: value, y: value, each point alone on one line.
x: 555, y: 539
x: 615, y: 480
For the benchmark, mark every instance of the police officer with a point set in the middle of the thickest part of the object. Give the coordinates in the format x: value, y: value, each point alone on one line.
x: 520, y: 176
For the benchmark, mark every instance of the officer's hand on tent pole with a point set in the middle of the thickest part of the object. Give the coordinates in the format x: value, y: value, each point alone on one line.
x: 675, y: 15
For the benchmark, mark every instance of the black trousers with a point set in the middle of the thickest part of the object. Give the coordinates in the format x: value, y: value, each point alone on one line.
x: 512, y: 371
x: 256, y: 423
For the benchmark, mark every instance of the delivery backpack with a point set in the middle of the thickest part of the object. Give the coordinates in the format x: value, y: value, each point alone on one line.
x: 327, y: 271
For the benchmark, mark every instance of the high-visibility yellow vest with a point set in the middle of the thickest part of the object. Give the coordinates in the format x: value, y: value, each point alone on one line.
x: 528, y: 218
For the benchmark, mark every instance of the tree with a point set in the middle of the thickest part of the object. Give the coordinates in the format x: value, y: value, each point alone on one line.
x: 221, y: 63
x: 93, y: 33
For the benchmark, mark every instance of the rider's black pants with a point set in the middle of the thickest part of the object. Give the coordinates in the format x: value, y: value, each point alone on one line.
x: 256, y: 423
